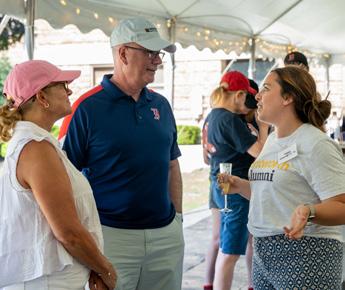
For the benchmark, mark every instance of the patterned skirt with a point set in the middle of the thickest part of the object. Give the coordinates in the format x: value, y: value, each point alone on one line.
x: 308, y: 263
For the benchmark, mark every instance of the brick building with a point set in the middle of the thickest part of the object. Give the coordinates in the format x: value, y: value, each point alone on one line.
x: 196, y: 72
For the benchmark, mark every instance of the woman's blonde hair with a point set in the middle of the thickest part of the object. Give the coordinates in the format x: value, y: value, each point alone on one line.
x: 299, y: 84
x: 219, y: 94
x: 9, y: 116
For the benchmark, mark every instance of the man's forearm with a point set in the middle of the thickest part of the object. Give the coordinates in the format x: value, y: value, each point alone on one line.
x: 175, y: 185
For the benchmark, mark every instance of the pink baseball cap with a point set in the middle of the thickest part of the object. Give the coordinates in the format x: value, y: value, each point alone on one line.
x: 236, y: 81
x: 26, y: 79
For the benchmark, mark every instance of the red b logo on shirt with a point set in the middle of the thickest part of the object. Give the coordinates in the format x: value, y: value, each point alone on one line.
x: 156, y: 115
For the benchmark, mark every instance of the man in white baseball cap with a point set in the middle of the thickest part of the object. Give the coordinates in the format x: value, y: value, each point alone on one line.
x: 142, y: 32
x: 123, y: 137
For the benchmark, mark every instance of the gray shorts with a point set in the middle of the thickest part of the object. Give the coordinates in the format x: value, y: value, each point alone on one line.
x: 147, y: 259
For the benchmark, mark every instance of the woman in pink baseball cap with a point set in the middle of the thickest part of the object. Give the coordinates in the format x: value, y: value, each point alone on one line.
x: 51, y: 236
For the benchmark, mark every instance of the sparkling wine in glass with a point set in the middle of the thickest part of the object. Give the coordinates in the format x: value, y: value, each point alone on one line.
x: 225, y: 168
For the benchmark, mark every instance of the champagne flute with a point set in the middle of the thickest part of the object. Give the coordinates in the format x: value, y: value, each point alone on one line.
x: 225, y: 168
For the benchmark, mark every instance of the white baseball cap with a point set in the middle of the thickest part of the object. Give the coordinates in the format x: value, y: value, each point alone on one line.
x: 142, y: 32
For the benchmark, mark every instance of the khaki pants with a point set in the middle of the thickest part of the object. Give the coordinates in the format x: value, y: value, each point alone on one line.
x: 147, y: 259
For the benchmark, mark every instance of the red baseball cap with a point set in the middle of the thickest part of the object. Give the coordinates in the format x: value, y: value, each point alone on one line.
x: 26, y: 79
x: 236, y: 81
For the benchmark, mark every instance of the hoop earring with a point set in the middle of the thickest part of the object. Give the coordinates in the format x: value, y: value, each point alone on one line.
x: 46, y: 106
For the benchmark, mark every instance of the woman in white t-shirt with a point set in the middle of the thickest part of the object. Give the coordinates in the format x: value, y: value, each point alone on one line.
x: 296, y: 187
x: 51, y: 238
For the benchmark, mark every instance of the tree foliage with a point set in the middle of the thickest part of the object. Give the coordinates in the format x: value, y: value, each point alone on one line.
x: 12, y: 33
x: 5, y: 68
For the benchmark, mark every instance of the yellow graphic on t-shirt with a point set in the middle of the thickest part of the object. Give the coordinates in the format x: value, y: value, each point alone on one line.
x: 268, y: 166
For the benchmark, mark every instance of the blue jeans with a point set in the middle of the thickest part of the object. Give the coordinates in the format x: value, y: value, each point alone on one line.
x: 233, y: 227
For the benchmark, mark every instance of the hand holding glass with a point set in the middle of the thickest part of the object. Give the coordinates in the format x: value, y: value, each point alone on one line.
x: 225, y: 168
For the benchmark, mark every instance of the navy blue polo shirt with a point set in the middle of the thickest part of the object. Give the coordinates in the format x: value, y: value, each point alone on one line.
x: 124, y: 149
x: 230, y: 139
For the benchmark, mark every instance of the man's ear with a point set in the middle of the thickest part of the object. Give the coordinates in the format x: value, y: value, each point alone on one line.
x: 122, y: 54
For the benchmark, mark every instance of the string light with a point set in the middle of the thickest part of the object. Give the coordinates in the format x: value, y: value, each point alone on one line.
x: 225, y: 45
x: 169, y: 23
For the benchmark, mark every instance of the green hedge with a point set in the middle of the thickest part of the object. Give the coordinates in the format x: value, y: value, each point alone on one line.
x: 188, y: 135
x: 3, y: 146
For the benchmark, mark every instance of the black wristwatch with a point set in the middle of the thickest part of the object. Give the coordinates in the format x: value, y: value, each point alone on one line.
x: 311, y: 215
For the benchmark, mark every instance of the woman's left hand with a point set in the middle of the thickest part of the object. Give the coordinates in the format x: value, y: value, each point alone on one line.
x: 298, y: 222
x: 96, y: 283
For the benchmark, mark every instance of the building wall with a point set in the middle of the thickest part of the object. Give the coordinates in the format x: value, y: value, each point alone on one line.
x: 197, y: 73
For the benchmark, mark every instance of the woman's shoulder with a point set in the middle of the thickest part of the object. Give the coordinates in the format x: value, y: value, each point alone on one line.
x: 311, y: 138
x: 25, y: 132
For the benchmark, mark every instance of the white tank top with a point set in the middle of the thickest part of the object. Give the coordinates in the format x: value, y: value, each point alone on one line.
x: 28, y: 248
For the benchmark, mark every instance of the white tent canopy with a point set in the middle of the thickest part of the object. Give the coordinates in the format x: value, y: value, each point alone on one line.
x: 315, y: 26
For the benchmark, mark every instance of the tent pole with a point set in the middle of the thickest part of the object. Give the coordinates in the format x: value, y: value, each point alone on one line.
x: 29, y: 27
x: 327, y: 61
x: 172, y: 30
x: 251, y: 67
x: 4, y: 22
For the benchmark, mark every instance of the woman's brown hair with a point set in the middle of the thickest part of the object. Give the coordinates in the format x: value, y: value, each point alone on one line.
x: 299, y: 84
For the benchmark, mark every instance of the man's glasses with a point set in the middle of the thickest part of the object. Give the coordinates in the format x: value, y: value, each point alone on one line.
x: 150, y: 53
x: 64, y: 84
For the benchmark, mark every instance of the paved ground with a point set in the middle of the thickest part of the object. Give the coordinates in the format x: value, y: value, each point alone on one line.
x: 197, y: 232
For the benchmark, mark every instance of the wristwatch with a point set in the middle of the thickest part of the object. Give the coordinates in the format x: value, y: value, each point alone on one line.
x: 311, y: 215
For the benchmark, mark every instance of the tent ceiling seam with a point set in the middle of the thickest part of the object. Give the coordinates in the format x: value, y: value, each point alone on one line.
x: 278, y: 17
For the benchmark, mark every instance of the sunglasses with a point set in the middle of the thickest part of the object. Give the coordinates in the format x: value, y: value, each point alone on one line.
x: 64, y: 84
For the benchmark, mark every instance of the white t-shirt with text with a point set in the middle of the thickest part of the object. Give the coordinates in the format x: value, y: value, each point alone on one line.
x: 315, y: 173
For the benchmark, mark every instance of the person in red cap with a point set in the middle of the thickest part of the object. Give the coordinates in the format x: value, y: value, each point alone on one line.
x: 229, y: 140
x: 51, y: 237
